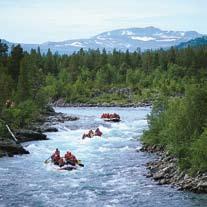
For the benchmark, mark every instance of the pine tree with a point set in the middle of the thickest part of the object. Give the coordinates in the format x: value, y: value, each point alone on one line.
x: 23, y: 87
x: 3, y: 53
x: 14, y: 63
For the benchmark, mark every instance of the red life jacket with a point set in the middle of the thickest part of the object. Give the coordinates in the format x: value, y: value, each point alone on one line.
x: 56, y: 158
x: 68, y: 156
x: 98, y: 133
x: 74, y: 159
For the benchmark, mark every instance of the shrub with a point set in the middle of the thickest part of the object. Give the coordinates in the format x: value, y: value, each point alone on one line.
x: 22, y: 115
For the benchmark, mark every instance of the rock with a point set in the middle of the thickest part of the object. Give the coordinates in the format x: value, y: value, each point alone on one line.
x: 163, y: 181
x: 69, y: 118
x: 50, y: 129
x: 60, y: 102
x: 49, y: 110
x: 202, y: 184
x: 9, y: 148
x: 29, y: 135
x: 169, y: 168
x: 158, y: 175
x: 152, y: 148
x: 60, y: 117
x: 165, y: 170
x: 149, y: 175
x: 186, y: 176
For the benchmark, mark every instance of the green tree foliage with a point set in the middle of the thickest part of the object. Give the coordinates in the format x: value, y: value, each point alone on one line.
x: 14, y: 62
x: 3, y: 53
x: 6, y: 86
x: 50, y: 63
x: 23, y: 92
x: 179, y: 125
x: 22, y: 115
x: 198, y: 155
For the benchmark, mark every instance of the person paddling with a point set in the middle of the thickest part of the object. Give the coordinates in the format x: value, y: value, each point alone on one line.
x: 56, y: 156
x: 98, y: 132
x: 90, y: 134
x: 70, y: 158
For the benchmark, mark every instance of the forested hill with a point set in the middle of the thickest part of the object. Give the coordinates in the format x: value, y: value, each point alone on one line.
x: 194, y: 43
x: 87, y: 76
x: 176, y: 76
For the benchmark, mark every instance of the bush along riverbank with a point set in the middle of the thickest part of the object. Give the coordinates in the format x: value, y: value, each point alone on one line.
x: 10, y: 145
x: 179, y: 126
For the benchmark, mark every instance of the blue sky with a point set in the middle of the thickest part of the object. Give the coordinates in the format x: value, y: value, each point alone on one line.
x: 37, y: 21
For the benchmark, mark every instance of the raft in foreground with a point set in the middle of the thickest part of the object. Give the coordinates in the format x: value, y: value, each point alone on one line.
x: 67, y: 167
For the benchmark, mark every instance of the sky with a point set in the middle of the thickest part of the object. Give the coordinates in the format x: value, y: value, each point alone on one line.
x: 38, y: 21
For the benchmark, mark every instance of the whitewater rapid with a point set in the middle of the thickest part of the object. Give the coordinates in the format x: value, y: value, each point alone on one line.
x: 113, y: 174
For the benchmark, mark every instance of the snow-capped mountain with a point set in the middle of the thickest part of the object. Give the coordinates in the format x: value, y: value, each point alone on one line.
x: 121, y: 39
x: 144, y: 38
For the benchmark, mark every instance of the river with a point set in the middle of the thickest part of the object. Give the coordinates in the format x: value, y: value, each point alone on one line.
x: 113, y: 174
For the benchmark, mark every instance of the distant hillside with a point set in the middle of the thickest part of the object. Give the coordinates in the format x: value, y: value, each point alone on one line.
x: 121, y: 39
x: 194, y: 43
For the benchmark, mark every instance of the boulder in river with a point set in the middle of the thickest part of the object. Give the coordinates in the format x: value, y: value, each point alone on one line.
x: 29, y: 135
x: 49, y: 129
x: 9, y: 148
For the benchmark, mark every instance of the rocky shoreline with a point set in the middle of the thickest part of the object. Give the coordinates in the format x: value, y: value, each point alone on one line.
x: 164, y: 170
x: 62, y: 103
x: 35, y: 132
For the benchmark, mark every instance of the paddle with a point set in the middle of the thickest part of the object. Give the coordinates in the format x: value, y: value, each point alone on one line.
x: 47, y: 160
x: 80, y: 164
x: 74, y: 163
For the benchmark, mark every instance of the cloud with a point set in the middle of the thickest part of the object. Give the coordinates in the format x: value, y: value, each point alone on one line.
x: 54, y: 20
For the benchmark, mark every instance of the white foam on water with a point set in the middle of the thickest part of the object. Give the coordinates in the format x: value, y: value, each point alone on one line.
x: 104, y: 129
x: 4, y: 169
x: 104, y: 149
x: 51, y: 167
x: 91, y: 197
x: 109, y: 205
x: 120, y: 126
x: 115, y: 201
x: 126, y: 148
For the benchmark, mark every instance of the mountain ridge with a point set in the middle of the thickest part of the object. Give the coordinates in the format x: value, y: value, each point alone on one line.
x: 121, y: 39
x: 194, y: 42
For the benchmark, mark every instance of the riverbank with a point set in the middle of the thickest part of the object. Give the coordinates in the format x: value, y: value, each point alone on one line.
x: 164, y: 170
x: 62, y: 103
x: 34, y: 132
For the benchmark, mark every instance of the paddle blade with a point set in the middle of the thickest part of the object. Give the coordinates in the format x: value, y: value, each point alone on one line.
x: 47, y: 161
x: 80, y: 164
